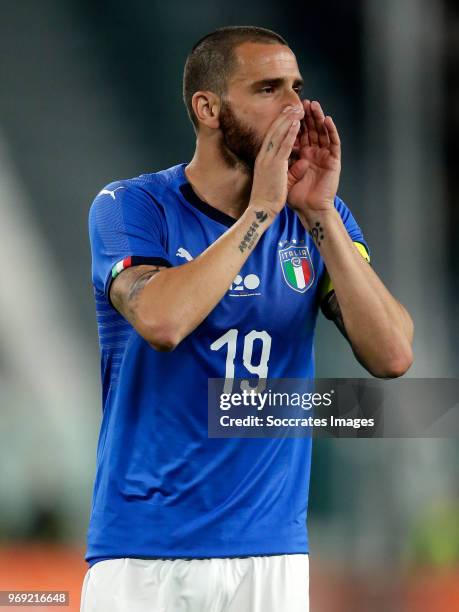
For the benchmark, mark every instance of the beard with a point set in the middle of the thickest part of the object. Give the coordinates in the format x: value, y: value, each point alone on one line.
x: 240, y: 144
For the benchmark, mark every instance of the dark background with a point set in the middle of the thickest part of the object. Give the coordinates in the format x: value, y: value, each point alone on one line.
x: 91, y: 92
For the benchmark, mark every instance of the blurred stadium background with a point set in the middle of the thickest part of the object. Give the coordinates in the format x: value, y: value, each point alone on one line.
x: 91, y: 92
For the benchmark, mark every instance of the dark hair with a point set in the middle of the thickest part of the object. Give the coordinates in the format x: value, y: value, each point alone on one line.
x: 212, y: 60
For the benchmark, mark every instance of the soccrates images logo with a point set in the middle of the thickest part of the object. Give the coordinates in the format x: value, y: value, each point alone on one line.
x: 297, y: 267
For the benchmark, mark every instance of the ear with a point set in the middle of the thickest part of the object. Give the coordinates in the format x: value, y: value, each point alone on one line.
x: 206, y: 106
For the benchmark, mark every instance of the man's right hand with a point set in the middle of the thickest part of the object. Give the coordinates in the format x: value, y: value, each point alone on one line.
x: 269, y: 187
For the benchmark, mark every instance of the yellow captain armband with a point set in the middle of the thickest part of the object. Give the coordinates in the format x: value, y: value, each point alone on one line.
x: 362, y: 250
x: 327, y: 286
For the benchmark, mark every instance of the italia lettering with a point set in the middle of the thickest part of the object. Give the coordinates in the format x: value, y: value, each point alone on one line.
x: 293, y: 253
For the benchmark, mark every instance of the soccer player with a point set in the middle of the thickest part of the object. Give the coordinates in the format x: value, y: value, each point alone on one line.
x: 215, y: 269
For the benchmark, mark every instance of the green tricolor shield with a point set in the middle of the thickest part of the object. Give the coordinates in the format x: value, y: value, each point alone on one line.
x: 297, y: 268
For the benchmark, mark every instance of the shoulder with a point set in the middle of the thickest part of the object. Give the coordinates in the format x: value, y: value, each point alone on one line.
x: 143, y: 183
x: 140, y: 191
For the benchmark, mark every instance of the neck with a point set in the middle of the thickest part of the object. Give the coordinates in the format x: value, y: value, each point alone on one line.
x: 223, y: 186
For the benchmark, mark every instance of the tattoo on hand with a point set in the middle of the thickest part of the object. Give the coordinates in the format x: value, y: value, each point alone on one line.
x: 251, y: 235
x: 270, y: 145
x: 140, y: 283
x: 317, y: 233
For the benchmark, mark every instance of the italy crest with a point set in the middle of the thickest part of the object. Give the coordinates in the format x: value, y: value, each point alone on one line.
x: 297, y: 267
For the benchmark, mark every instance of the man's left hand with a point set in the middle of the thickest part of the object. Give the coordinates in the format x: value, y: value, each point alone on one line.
x: 313, y: 178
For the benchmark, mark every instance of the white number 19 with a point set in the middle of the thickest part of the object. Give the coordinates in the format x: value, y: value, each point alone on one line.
x: 261, y: 369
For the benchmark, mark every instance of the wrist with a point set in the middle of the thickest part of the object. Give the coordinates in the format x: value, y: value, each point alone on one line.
x: 310, y: 218
x: 260, y: 213
x: 250, y: 227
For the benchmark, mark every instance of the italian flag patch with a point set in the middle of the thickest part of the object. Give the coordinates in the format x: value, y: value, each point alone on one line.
x: 121, y: 265
x: 298, y: 272
x: 297, y: 267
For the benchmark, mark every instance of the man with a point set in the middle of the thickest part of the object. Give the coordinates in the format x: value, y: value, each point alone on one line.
x: 192, y: 282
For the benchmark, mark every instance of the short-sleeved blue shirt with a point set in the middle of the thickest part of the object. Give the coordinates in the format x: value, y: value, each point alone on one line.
x: 164, y: 489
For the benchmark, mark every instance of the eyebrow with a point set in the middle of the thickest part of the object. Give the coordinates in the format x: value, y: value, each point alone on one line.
x: 276, y: 82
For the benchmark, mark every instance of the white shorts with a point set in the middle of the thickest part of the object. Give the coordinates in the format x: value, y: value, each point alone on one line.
x: 277, y: 583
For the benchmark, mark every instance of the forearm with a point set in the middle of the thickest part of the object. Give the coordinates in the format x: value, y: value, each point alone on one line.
x: 191, y: 291
x: 378, y: 327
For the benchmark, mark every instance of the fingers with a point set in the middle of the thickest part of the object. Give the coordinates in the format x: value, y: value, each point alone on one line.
x: 271, y: 166
x: 287, y: 144
x: 312, y: 135
x: 321, y: 131
x: 279, y: 130
x: 335, y: 143
x: 319, y: 117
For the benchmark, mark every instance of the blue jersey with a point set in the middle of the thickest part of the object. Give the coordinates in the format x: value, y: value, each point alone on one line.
x: 163, y: 488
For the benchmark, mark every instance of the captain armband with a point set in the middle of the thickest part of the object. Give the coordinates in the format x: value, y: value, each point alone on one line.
x: 328, y: 302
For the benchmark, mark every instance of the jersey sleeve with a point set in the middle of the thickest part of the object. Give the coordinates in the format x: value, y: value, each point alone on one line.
x: 356, y: 235
x: 126, y: 228
x: 350, y: 223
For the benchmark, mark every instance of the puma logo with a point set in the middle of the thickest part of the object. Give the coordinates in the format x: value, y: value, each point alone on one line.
x: 109, y: 192
x: 184, y: 253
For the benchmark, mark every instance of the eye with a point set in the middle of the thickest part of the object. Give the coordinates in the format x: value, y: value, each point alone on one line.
x: 268, y: 89
x: 298, y: 89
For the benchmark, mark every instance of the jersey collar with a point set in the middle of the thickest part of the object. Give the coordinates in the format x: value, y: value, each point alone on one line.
x: 192, y: 198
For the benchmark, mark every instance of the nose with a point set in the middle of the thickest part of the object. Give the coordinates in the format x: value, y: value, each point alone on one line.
x: 293, y: 100
x: 295, y: 106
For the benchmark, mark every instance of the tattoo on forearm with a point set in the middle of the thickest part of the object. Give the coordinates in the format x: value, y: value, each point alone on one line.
x: 317, y: 233
x: 140, y: 283
x: 270, y: 145
x: 250, y: 238
x: 261, y: 215
x: 251, y: 235
x: 332, y: 311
